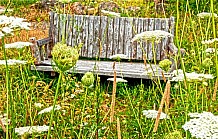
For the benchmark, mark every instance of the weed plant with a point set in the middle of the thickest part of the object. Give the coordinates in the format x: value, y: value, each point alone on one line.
x: 84, y: 111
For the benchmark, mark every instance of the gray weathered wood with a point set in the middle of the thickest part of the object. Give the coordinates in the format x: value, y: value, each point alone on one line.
x: 123, y: 69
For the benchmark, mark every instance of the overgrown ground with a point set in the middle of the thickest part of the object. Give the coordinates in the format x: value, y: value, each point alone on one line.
x: 85, y: 112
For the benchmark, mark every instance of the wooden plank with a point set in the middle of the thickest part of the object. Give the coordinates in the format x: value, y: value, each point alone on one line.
x: 140, y: 45
x: 56, y: 27
x: 116, y: 49
x: 90, y: 36
x: 110, y: 37
x: 128, y: 23
x: 121, y: 35
x: 80, y: 31
x: 145, y: 44
x: 104, y: 26
x: 124, y: 69
x: 69, y: 27
x: 150, y: 44
x: 164, y: 41
x: 96, y: 35
x: 157, y: 44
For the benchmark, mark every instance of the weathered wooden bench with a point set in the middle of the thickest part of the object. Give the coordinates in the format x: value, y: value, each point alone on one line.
x: 103, y: 37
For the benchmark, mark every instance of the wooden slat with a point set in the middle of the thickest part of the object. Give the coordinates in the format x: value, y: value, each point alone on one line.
x: 124, y: 69
x: 158, y: 44
x: 96, y: 35
x: 90, y: 36
x: 121, y: 35
x: 116, y: 49
x: 56, y: 27
x: 140, y: 45
x: 128, y: 23
x: 104, y: 26
x: 110, y: 37
x: 150, y: 44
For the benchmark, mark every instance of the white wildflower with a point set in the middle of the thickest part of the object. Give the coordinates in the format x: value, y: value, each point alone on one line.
x: 8, y: 24
x: 202, y: 125
x: 210, y: 50
x: 12, y: 62
x: 38, y: 105
x: 206, y: 14
x: 191, y: 76
x: 119, y: 56
x: 18, y: 45
x: 210, y: 41
x: 31, y: 129
x: 155, y: 35
x: 2, y: 10
x: 72, y: 96
x: 117, y: 80
x: 49, y: 109
x: 153, y: 114
x: 4, y: 120
x: 110, y: 13
x: 7, y: 30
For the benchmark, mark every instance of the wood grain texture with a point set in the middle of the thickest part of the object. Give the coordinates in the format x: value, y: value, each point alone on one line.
x: 105, y: 36
x: 123, y: 69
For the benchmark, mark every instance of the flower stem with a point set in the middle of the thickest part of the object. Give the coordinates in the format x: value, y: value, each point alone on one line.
x: 56, y: 95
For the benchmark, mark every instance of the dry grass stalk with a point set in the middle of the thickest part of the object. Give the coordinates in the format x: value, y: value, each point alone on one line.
x: 168, y: 95
x: 215, y: 90
x: 118, y: 128
x: 161, y: 106
x: 2, y: 125
x: 144, y: 59
x: 113, y: 95
x: 164, y: 78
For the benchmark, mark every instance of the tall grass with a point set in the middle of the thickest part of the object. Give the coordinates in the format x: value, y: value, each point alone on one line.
x: 85, y: 112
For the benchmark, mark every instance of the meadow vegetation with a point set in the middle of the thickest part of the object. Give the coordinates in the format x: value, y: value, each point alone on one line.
x: 81, y: 106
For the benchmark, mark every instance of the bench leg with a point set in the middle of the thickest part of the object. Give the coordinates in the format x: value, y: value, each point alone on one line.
x: 35, y: 51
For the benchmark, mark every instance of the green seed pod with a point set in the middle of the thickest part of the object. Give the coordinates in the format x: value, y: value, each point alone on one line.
x: 64, y: 57
x: 88, y: 79
x: 165, y: 64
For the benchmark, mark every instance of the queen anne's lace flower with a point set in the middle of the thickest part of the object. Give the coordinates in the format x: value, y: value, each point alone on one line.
x: 190, y: 76
x: 153, y: 114
x: 119, y: 56
x: 202, y: 125
x: 118, y: 80
x: 18, y: 45
x: 210, y: 50
x: 155, y: 35
x: 206, y: 14
x: 210, y: 41
x: 49, y: 109
x: 9, y: 24
x: 31, y: 129
x: 12, y: 62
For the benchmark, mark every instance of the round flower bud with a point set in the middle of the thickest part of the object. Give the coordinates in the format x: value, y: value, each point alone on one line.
x: 165, y: 64
x: 88, y: 79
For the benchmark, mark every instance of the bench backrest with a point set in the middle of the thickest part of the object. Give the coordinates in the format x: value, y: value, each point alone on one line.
x: 104, y: 36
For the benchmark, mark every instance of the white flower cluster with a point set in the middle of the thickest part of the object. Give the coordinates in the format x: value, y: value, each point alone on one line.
x: 18, y: 45
x: 119, y: 56
x: 203, y: 125
x: 110, y: 13
x: 153, y: 114
x: 8, y: 24
x: 117, y: 80
x: 211, y: 50
x: 12, y: 62
x: 210, y: 41
x: 179, y: 76
x: 31, y: 129
x: 49, y: 109
x: 4, y: 120
x: 155, y: 35
x: 38, y: 105
x: 206, y: 14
